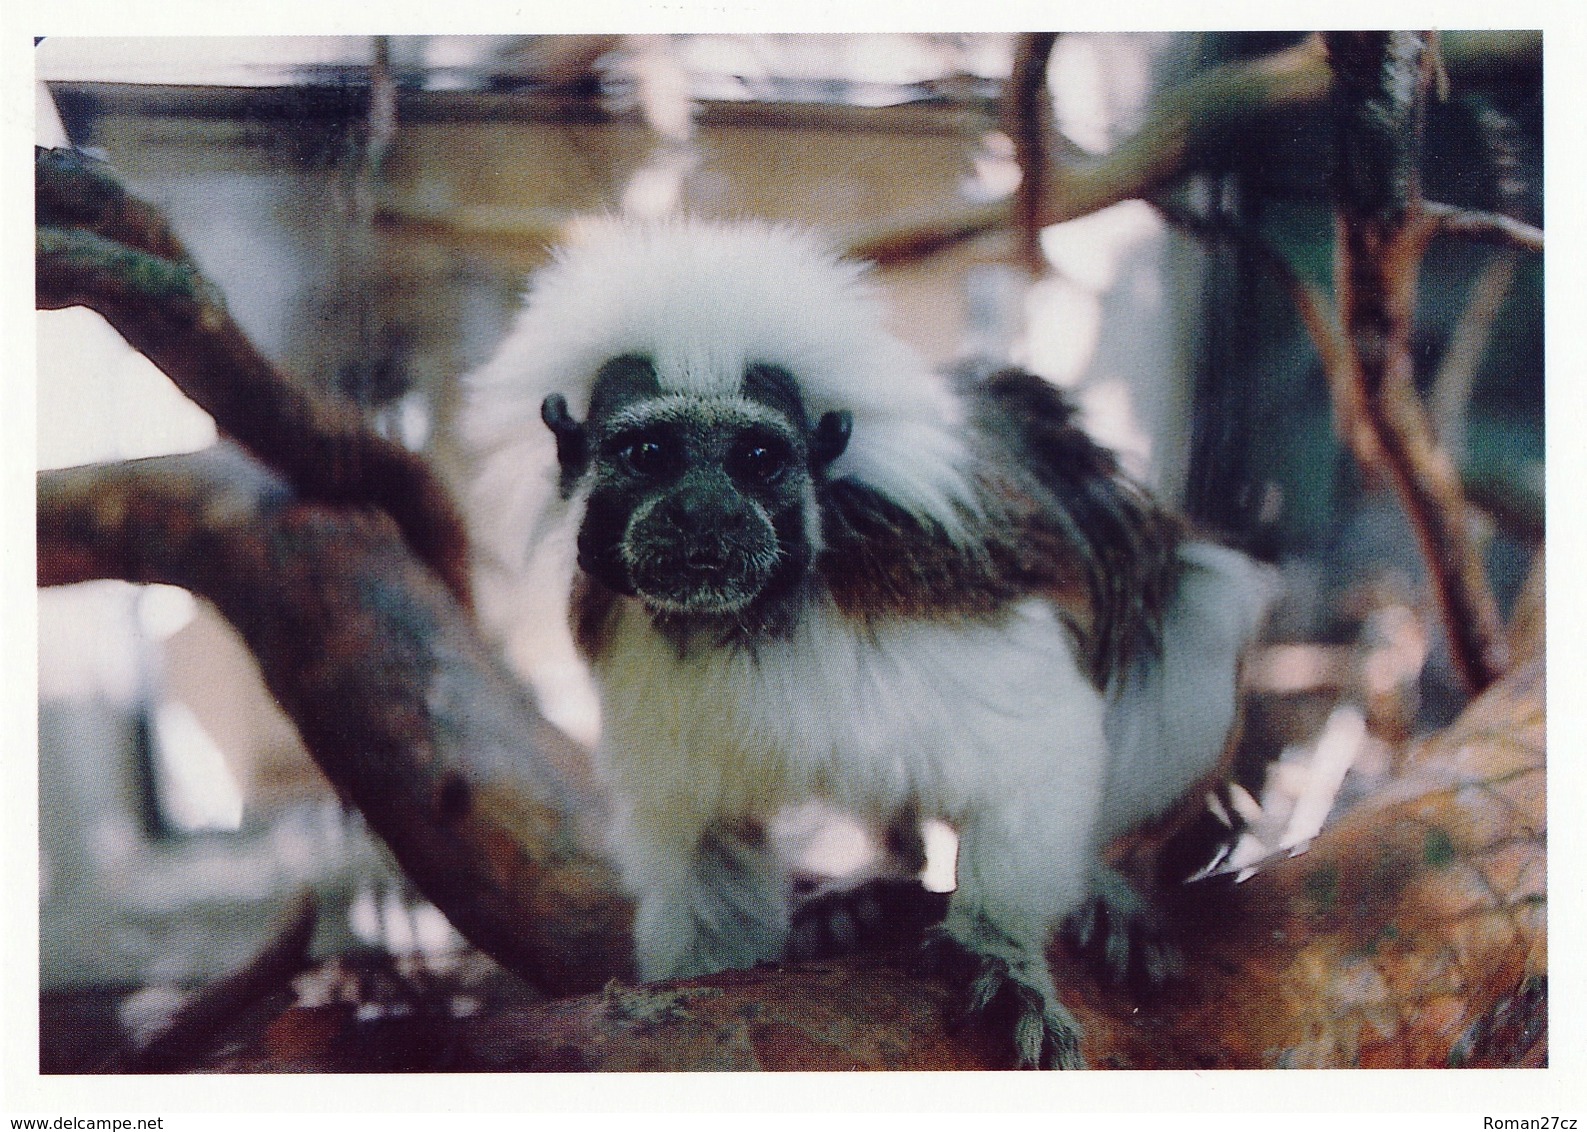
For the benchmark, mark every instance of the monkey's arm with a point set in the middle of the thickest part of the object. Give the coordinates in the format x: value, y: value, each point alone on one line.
x: 709, y: 899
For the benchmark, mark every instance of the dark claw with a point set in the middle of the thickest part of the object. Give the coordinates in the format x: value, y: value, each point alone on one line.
x: 990, y: 992
x: 1126, y: 942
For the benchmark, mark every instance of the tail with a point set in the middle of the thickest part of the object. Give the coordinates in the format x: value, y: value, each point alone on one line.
x: 1169, y: 716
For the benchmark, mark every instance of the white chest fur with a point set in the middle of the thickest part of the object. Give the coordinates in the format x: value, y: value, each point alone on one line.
x: 946, y: 714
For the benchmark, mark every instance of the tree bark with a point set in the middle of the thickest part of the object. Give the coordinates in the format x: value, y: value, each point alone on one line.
x: 402, y: 706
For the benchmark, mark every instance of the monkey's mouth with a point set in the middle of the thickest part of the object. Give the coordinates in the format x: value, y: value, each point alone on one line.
x: 682, y: 575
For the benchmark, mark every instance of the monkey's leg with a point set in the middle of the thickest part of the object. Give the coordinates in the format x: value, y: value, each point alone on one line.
x: 876, y: 913
x: 1005, y: 984
x: 1019, y: 870
x: 882, y: 909
x: 904, y: 843
x: 709, y: 903
x: 1121, y: 932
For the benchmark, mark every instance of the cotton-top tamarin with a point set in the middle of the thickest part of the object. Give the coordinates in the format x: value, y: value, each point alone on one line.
x: 807, y: 566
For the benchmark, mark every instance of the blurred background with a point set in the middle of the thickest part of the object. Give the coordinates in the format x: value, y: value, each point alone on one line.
x: 371, y: 207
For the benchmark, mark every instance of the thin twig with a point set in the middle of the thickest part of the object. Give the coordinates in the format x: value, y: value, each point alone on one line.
x: 1450, y: 395
x: 917, y: 237
x: 1484, y: 227
x: 1452, y: 387
x: 1028, y: 114
x: 1188, y: 127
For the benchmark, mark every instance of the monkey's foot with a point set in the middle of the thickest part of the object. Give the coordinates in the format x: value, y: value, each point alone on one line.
x: 1123, y: 936
x: 1009, y: 993
x: 884, y: 908
x: 873, y: 914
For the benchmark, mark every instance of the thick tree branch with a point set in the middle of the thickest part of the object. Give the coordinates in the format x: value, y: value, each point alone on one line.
x: 398, y: 701
x: 1189, y: 125
x: 72, y: 191
x: 1379, y: 90
x: 1410, y: 934
x: 100, y: 248
x: 478, y: 798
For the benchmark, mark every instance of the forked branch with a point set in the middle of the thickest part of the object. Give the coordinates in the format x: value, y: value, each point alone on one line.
x: 101, y: 248
x: 399, y: 702
x: 1381, y: 80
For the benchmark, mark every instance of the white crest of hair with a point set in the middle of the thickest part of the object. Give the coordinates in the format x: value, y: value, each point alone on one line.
x: 704, y: 301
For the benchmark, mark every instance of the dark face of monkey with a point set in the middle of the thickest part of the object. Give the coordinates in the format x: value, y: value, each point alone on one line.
x: 698, y: 505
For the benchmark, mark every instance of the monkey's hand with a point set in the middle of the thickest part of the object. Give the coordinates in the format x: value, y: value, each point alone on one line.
x: 1006, y: 987
x: 875, y: 913
x: 1122, y: 935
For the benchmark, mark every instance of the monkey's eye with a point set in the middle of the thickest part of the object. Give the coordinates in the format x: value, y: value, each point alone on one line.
x: 759, y: 459
x: 644, y: 455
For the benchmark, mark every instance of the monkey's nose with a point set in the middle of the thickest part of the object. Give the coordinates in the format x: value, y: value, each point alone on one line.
x: 705, y: 518
x: 735, y: 522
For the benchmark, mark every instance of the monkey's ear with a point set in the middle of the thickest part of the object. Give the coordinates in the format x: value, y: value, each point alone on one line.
x: 830, y: 437
x: 572, y: 448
